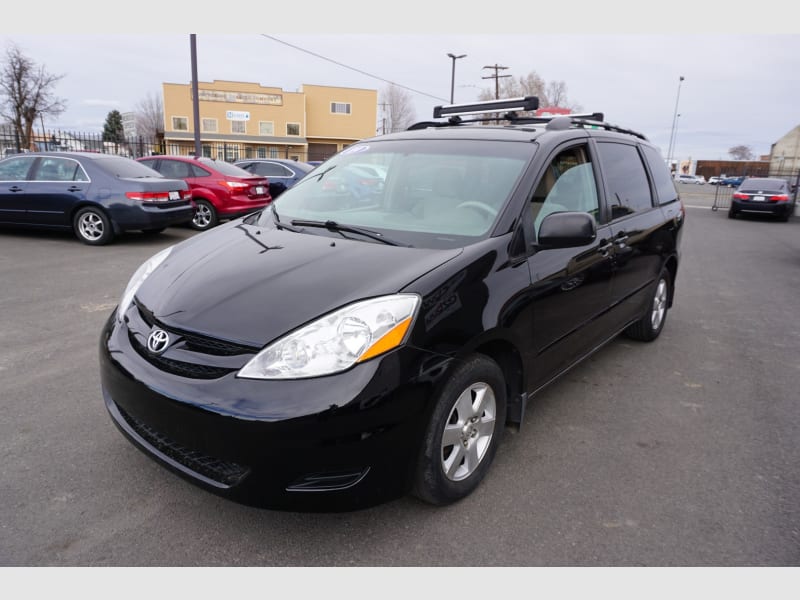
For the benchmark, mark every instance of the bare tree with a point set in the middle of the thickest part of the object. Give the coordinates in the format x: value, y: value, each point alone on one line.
x: 27, y: 94
x: 398, y: 109
x: 553, y: 93
x: 149, y: 112
x: 741, y: 152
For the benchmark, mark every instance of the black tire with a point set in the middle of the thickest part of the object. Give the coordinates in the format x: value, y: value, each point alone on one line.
x: 205, y: 216
x: 444, y: 473
x: 650, y: 325
x: 92, y: 226
x: 732, y: 213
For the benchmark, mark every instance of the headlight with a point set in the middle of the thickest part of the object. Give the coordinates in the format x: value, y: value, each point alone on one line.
x: 138, y: 278
x: 337, y: 341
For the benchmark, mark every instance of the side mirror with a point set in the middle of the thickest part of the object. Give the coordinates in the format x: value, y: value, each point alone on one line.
x: 566, y: 230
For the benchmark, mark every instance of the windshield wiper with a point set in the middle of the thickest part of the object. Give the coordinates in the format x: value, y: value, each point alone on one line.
x: 334, y: 226
x: 278, y: 223
x: 312, y: 174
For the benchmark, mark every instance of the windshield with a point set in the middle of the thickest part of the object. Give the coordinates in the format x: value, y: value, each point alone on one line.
x: 432, y: 193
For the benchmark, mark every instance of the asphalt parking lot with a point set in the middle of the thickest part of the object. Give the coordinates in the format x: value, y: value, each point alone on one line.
x: 682, y: 452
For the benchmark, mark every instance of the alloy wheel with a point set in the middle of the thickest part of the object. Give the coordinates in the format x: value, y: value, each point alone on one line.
x: 468, y: 432
x: 91, y: 226
x: 659, y: 305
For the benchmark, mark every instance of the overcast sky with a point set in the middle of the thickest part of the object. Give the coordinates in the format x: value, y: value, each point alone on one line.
x: 739, y: 88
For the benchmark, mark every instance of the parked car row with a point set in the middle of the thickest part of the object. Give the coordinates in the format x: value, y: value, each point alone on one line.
x: 696, y: 179
x: 99, y: 196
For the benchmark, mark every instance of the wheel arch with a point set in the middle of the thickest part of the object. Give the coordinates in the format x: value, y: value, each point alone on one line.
x: 672, y: 268
x: 84, y: 204
x: 508, y: 358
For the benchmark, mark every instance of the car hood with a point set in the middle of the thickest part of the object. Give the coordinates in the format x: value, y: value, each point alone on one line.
x: 252, y: 284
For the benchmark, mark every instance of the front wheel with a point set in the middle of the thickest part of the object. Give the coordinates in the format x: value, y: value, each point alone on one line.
x: 92, y: 226
x: 205, y: 216
x: 463, y: 433
x: 650, y: 325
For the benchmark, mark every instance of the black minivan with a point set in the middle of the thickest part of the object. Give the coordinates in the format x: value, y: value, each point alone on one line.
x: 346, y: 346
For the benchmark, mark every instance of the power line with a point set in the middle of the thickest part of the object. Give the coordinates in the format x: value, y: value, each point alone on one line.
x: 351, y: 68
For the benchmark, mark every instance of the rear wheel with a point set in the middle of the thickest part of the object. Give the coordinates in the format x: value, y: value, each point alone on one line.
x: 732, y: 213
x: 463, y: 433
x: 205, y: 216
x: 650, y: 325
x: 92, y: 226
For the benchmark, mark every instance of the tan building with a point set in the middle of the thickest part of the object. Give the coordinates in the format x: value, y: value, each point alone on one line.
x: 784, y: 157
x: 247, y: 120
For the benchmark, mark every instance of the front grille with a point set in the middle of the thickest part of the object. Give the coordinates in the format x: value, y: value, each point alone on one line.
x: 177, y: 367
x: 224, y: 472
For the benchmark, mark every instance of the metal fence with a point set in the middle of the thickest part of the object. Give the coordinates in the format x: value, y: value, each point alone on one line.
x: 137, y: 146
x: 724, y: 193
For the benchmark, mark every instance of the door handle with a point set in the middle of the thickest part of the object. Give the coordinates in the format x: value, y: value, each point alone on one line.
x: 620, y: 239
x: 15, y: 189
x: 604, y: 248
x: 74, y: 188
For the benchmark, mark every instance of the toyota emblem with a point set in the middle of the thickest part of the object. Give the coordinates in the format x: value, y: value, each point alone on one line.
x: 158, y: 341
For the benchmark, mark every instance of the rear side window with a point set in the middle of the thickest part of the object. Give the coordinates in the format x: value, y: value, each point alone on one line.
x: 626, y: 180
x: 59, y: 169
x: 15, y: 169
x: 665, y: 186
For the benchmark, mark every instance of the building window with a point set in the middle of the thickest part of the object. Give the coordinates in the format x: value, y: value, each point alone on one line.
x: 206, y: 148
x: 209, y: 125
x: 180, y: 123
x: 261, y: 152
x: 273, y: 152
x: 266, y: 128
x: 340, y: 108
x: 238, y: 126
x: 293, y: 129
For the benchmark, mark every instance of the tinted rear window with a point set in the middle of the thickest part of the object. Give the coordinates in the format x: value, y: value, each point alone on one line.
x: 226, y: 168
x: 756, y: 185
x: 119, y: 166
x: 665, y: 186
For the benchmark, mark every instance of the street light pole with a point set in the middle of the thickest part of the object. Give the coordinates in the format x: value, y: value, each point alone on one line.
x: 674, y: 122
x: 453, y: 76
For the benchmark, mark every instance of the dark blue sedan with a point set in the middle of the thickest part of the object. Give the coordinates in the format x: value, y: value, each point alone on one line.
x: 95, y: 195
x: 282, y: 173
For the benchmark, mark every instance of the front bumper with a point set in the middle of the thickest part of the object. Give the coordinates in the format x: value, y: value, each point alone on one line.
x: 332, y: 443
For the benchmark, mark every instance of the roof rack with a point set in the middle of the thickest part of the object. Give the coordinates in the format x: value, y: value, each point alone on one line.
x: 594, y: 120
x: 454, y: 111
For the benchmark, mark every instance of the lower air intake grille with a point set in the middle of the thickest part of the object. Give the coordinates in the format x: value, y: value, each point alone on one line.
x: 224, y: 472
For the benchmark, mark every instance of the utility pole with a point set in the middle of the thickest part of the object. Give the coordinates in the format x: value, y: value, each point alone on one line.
x: 496, y: 78
x: 198, y: 151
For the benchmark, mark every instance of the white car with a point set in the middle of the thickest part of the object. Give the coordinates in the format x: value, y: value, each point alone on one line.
x: 714, y: 180
x: 696, y: 179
